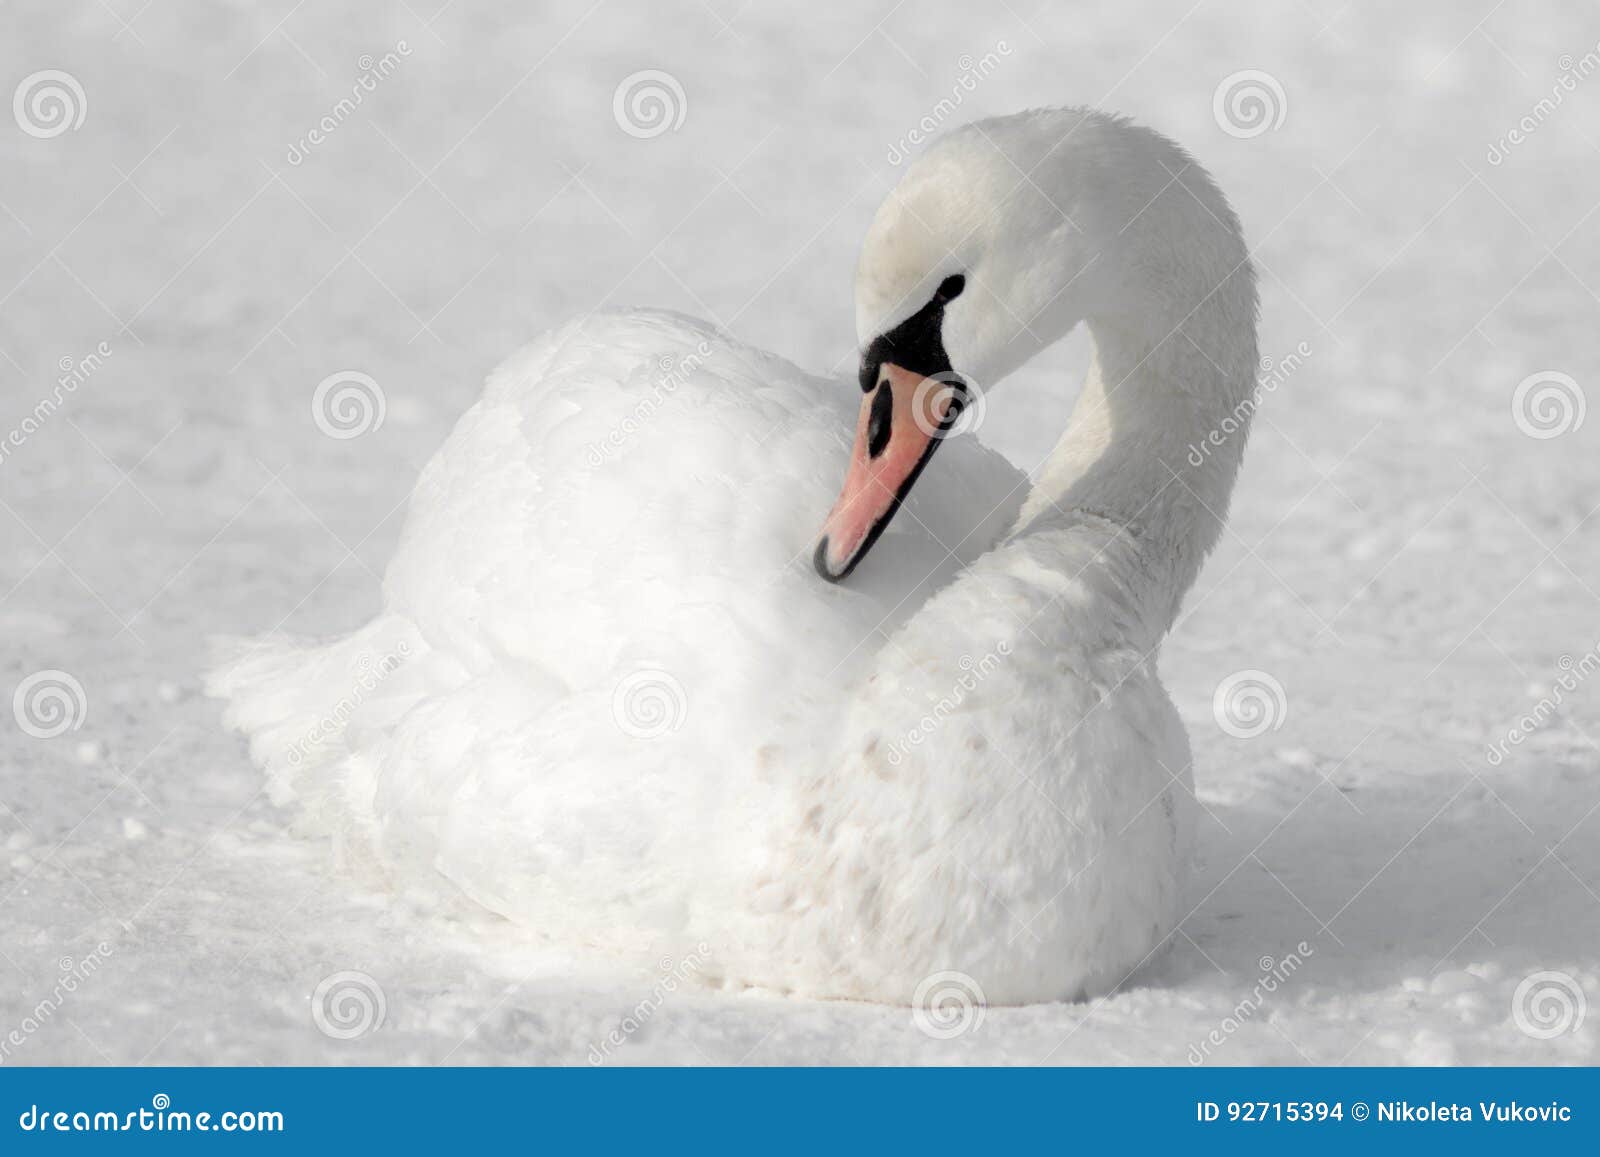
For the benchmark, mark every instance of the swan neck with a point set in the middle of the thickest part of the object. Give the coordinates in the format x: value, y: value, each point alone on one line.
x: 1154, y: 444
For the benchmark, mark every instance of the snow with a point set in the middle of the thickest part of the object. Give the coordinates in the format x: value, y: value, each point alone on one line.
x: 1412, y: 567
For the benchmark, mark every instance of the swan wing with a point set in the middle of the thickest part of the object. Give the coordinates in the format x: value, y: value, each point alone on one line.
x: 628, y: 658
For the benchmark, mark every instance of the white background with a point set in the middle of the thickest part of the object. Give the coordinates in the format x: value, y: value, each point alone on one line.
x: 1402, y: 557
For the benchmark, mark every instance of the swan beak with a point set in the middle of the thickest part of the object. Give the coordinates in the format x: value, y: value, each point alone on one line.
x: 901, y: 424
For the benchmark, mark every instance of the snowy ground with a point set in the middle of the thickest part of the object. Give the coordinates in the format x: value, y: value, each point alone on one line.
x: 1404, y: 559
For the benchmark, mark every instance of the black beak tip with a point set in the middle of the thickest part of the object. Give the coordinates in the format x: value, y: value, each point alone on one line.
x: 819, y: 560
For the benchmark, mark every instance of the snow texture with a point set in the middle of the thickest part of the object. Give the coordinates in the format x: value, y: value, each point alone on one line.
x: 1412, y: 554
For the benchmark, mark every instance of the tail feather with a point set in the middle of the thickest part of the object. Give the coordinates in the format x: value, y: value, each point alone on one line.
x: 304, y: 705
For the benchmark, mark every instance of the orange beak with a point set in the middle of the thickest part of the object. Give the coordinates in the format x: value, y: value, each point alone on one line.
x: 903, y: 419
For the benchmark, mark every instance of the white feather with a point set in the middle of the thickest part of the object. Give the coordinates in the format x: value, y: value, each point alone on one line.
x: 627, y: 712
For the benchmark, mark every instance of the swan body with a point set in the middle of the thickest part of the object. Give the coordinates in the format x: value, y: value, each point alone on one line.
x: 610, y: 698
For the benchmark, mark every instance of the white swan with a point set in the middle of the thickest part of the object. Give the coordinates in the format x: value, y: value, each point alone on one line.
x: 609, y: 696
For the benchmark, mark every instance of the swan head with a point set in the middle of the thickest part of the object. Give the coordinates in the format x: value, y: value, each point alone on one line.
x: 969, y: 268
x: 1000, y: 239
